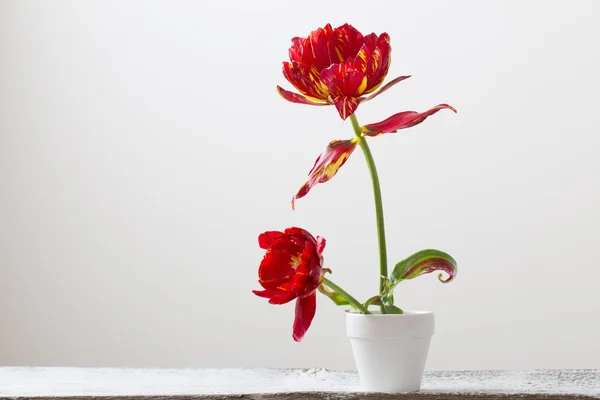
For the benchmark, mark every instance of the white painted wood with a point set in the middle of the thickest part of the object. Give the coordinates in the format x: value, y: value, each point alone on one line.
x: 55, y: 381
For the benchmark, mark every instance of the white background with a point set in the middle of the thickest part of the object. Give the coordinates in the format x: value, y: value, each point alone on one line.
x: 143, y: 148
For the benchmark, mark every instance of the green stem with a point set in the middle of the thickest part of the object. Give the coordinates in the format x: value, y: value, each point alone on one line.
x: 355, y: 303
x: 378, y: 203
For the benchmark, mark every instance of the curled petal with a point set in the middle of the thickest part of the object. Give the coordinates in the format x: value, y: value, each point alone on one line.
x: 297, y: 98
x: 402, y: 120
x: 425, y: 262
x: 305, y: 312
x: 386, y: 87
x: 327, y: 165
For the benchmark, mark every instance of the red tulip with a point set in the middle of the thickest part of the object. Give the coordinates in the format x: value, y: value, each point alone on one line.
x: 291, y: 269
x: 337, y: 66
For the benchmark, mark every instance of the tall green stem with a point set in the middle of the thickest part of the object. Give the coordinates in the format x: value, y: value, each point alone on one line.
x: 355, y: 303
x: 378, y: 203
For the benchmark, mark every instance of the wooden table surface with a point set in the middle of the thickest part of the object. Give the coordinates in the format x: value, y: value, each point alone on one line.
x: 309, y: 384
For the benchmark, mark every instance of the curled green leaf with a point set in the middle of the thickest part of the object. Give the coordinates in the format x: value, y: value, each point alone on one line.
x: 424, y: 262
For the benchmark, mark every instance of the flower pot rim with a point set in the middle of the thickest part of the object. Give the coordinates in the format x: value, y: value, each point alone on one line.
x: 377, y: 314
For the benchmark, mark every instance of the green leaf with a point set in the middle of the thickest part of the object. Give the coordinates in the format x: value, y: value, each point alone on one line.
x: 373, y: 301
x: 337, y: 298
x: 424, y: 262
x: 392, y: 309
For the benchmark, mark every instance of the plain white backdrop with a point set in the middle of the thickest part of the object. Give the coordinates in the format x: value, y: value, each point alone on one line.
x: 143, y: 148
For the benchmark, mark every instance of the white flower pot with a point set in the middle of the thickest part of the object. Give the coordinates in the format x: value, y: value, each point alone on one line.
x: 390, y: 350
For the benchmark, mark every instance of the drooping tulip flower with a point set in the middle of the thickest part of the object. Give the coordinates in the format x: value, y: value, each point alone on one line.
x: 292, y: 269
x: 338, y: 66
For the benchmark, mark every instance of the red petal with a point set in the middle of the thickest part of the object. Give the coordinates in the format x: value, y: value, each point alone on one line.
x: 344, y: 80
x: 276, y: 297
x: 296, y: 50
x: 320, y: 245
x: 347, y: 41
x: 275, y: 269
x: 305, y: 312
x: 282, y: 298
x: 373, y: 60
x: 346, y: 106
x: 386, y: 87
x: 301, y: 233
x: 306, y: 79
x: 267, y: 293
x: 401, y: 120
x: 321, y: 49
x: 266, y: 239
x: 308, y: 272
x: 297, y: 98
x: 371, y: 41
x: 327, y: 165
x: 380, y: 61
x: 362, y: 59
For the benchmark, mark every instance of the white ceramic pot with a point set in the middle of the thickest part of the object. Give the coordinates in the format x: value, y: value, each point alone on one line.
x: 390, y: 350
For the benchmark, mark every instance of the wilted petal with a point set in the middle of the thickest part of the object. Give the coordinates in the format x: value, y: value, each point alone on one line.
x: 401, y: 120
x: 297, y: 98
x: 327, y: 165
x: 305, y: 312
x: 386, y: 87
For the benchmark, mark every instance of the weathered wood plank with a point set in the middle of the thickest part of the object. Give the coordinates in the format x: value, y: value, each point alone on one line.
x: 265, y: 384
